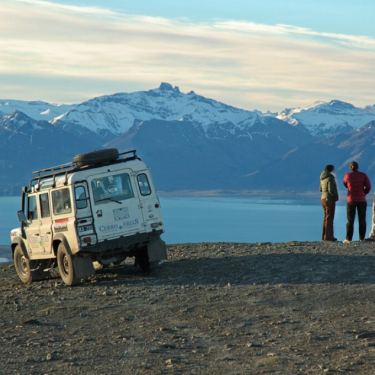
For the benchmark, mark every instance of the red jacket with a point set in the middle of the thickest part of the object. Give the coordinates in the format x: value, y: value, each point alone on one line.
x: 358, y: 185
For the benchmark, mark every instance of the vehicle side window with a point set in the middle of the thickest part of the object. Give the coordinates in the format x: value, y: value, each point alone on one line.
x: 144, y: 186
x: 32, y: 211
x: 61, y: 202
x: 44, y: 205
x: 81, y: 197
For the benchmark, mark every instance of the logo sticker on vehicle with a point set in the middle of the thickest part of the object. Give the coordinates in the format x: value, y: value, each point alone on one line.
x: 130, y: 223
x: 114, y: 227
x: 61, y: 225
x: 107, y: 228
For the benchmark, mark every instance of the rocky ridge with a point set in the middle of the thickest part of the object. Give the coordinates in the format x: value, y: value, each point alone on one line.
x: 212, y: 308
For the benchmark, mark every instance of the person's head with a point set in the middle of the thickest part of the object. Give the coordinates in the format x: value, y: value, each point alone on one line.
x: 329, y: 168
x: 353, y: 166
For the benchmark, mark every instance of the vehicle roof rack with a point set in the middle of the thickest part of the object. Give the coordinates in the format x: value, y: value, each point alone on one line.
x: 67, y: 168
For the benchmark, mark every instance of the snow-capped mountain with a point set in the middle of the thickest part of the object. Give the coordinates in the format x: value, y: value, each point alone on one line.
x: 37, y: 110
x: 115, y: 114
x: 189, y: 141
x: 182, y: 156
x: 27, y: 145
x: 299, y: 169
x: 323, y: 119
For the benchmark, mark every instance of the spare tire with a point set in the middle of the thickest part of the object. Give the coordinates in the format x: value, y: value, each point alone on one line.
x: 96, y: 157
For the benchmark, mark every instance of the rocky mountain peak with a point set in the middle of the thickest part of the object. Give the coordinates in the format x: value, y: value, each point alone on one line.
x: 14, y: 120
x: 168, y: 87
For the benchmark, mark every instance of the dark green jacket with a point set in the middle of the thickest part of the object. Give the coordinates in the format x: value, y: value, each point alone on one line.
x: 328, y: 186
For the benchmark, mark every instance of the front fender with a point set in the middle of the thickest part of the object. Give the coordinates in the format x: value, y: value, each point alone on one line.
x: 19, y: 241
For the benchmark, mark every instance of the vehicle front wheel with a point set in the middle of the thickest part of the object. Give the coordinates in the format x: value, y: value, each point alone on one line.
x: 66, y: 266
x: 22, y: 265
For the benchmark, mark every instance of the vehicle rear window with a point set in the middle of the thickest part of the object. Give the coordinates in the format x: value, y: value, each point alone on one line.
x: 144, y: 186
x: 116, y: 187
x: 81, y: 198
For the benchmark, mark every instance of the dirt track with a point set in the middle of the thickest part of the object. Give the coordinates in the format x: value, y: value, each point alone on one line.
x: 212, y: 308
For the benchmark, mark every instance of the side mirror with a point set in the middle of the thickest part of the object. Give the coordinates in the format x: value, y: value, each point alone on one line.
x: 21, y: 216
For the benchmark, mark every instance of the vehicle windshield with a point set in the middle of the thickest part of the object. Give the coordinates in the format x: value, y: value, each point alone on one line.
x: 116, y: 187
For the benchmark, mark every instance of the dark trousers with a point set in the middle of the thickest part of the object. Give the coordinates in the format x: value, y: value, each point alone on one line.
x: 329, y: 207
x: 351, y: 208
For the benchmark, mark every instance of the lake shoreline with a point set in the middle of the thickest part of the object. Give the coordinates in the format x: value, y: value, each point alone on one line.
x: 5, y: 253
x: 237, y: 193
x: 240, y: 193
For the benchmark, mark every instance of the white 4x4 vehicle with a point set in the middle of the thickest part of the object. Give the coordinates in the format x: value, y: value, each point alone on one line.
x: 102, y: 207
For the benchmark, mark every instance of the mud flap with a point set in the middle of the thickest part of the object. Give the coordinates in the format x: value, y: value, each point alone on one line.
x: 83, y: 267
x: 157, y: 250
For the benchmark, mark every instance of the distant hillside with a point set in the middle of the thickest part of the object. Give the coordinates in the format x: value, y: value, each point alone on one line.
x: 189, y: 141
x: 27, y: 145
x: 299, y: 169
x: 182, y: 157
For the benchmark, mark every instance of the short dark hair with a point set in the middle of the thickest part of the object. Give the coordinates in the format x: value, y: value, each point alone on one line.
x: 329, y: 168
x: 353, y: 165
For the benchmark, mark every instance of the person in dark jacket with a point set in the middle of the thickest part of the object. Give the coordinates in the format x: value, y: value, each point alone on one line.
x: 358, y: 185
x: 329, y: 197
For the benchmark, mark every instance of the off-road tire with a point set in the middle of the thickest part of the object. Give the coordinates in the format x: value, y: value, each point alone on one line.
x: 22, y: 265
x: 142, y: 261
x: 96, y: 157
x: 66, y: 266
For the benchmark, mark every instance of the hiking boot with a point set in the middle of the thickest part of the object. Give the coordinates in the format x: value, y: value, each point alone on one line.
x: 346, y: 241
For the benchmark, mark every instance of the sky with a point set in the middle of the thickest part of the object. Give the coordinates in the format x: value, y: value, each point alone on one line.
x: 265, y: 55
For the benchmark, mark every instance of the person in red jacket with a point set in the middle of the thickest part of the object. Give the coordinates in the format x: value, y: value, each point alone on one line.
x: 358, y: 185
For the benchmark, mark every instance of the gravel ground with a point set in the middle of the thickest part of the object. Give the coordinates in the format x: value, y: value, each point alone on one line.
x: 212, y: 308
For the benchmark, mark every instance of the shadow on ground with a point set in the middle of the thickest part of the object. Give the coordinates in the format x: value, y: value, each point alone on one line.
x: 256, y: 269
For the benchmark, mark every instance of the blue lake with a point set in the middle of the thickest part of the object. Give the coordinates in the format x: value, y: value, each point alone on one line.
x: 249, y: 219
x: 227, y: 219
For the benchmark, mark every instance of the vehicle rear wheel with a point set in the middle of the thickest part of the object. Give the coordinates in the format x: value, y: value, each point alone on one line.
x: 66, y: 266
x: 96, y: 157
x: 22, y: 265
x: 142, y: 261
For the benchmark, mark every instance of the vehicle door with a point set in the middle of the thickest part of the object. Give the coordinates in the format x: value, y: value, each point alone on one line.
x: 84, y: 218
x: 150, y: 205
x: 116, y: 209
x: 32, y: 228
x: 63, y: 215
x: 45, y: 223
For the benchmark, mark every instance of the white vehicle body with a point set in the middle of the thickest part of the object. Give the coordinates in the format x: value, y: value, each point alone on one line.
x: 102, y: 207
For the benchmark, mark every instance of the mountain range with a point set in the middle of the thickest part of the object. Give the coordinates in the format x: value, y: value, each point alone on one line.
x: 190, y: 142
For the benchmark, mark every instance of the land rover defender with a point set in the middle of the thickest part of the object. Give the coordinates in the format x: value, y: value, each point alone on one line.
x: 101, y: 207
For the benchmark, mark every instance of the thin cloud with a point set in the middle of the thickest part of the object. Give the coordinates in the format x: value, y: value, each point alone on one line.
x: 280, y: 29
x: 242, y: 63
x: 63, y: 7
